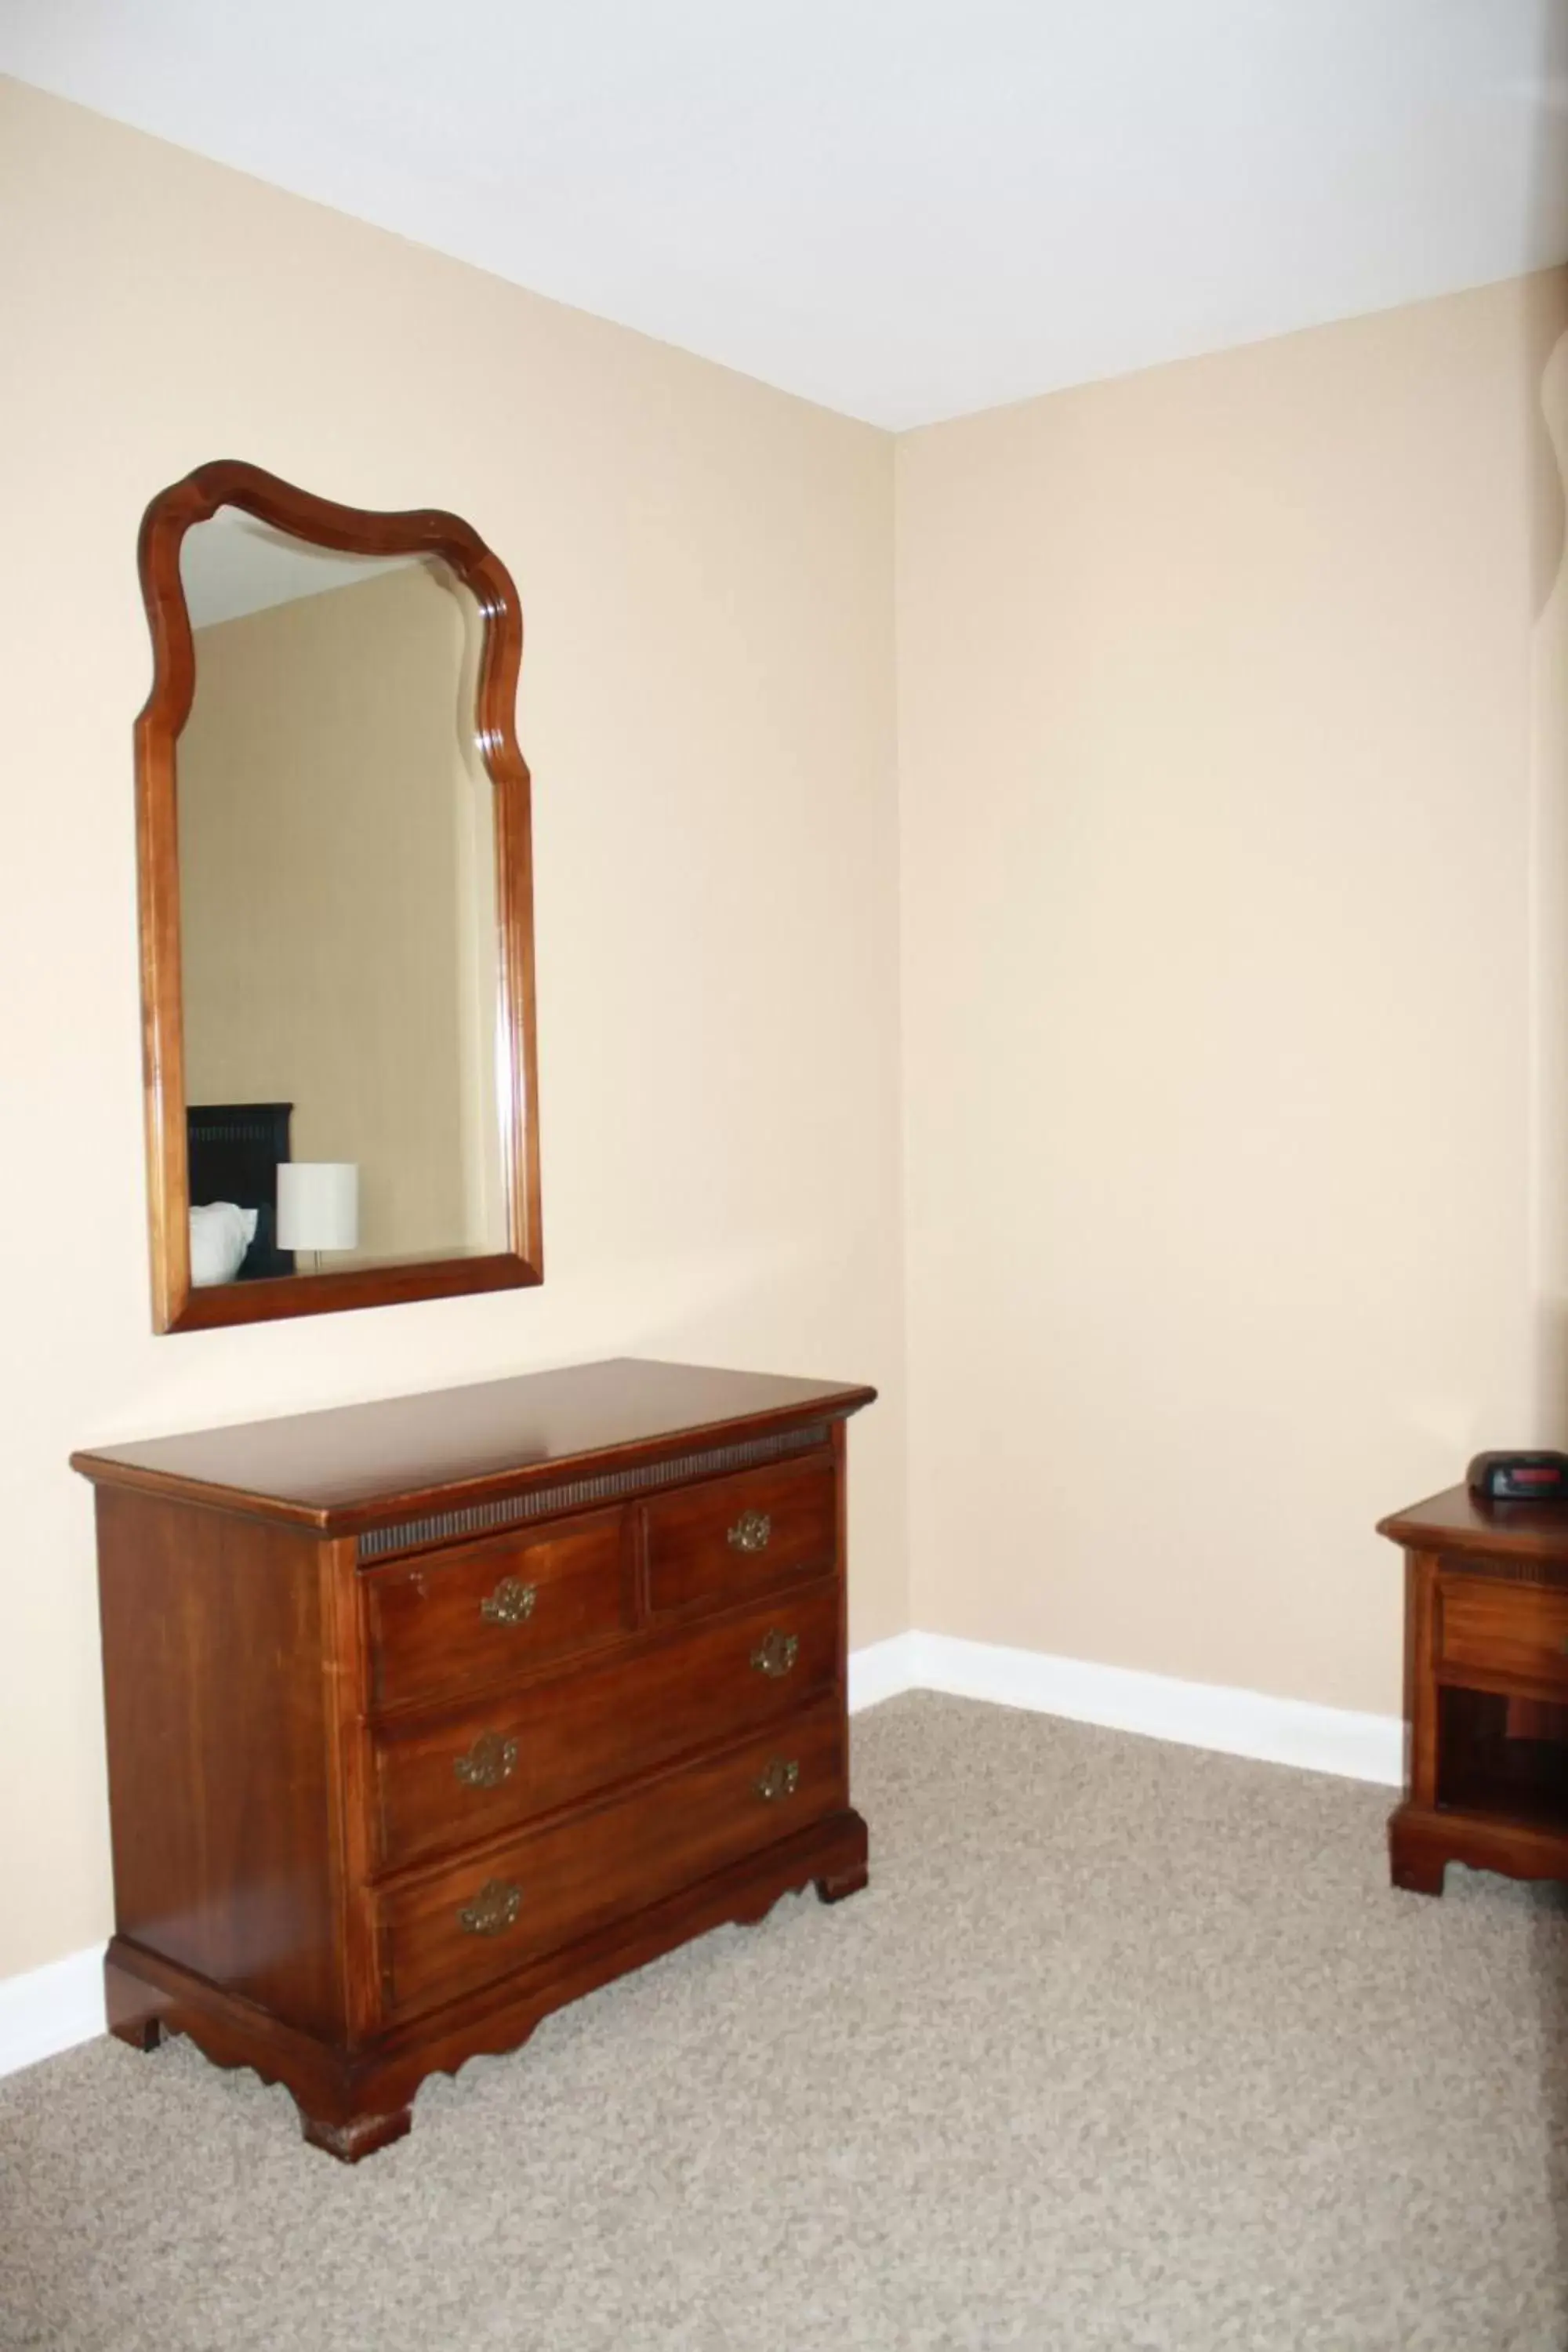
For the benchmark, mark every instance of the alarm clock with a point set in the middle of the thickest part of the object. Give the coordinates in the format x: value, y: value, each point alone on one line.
x: 1518, y: 1478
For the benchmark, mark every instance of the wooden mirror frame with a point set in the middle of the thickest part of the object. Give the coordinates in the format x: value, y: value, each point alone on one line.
x: 177, y: 1304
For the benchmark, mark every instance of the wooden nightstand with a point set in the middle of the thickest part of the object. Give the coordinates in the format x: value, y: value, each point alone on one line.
x: 1485, y: 1689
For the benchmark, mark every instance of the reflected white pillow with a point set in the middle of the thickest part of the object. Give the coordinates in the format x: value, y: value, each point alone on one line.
x: 221, y: 1233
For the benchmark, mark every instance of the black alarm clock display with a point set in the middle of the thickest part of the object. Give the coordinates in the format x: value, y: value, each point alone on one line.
x: 1519, y: 1479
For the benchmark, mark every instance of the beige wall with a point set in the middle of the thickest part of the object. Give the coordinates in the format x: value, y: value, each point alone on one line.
x: 1229, y: 1219
x: 707, y: 706
x: 1232, y: 728
x: 330, y: 925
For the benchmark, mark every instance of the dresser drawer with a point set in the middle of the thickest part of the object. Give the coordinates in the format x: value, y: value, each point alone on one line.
x: 449, y: 1623
x: 448, y: 1784
x: 1504, y: 1628
x: 465, y: 1925
x: 711, y: 1543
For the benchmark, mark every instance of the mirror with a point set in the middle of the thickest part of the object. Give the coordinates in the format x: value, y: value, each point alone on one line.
x: 336, y: 908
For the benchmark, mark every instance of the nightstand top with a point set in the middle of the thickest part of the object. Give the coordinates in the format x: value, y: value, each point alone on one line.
x: 1455, y: 1521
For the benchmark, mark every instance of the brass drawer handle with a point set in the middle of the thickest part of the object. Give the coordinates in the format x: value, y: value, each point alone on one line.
x: 490, y: 1760
x: 780, y: 1779
x: 775, y: 1654
x: 751, y: 1531
x: 512, y: 1602
x: 493, y: 1910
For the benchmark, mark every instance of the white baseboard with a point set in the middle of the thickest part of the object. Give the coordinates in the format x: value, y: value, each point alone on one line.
x: 51, y: 2008
x: 882, y: 1670
x: 1192, y: 1715
x: 54, y: 2008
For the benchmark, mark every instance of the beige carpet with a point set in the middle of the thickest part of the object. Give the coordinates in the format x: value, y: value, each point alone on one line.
x: 1125, y: 2046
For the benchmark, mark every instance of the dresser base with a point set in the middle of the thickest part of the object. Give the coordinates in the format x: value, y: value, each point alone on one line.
x: 351, y: 2103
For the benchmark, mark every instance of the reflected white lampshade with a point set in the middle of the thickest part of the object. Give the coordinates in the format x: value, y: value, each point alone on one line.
x: 317, y: 1204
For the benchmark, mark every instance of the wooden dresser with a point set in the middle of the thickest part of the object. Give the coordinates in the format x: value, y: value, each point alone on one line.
x: 1485, y: 1689
x: 426, y: 1716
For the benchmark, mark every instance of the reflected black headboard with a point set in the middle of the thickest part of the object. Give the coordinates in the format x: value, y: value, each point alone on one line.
x: 234, y: 1151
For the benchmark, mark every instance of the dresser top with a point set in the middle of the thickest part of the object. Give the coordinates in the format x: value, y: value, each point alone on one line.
x: 1455, y: 1521
x: 340, y: 1469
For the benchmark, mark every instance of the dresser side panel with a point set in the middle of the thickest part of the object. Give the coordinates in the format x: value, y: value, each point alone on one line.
x: 346, y: 1704
x: 225, y: 1808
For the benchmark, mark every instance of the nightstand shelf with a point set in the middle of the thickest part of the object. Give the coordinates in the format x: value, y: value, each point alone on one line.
x: 1495, y: 1757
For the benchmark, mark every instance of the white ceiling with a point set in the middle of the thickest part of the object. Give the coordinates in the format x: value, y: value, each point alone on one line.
x: 906, y: 209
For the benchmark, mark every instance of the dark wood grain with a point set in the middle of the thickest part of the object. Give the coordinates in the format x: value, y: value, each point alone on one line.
x: 697, y: 1537
x: 428, y: 1631
x: 177, y: 1306
x: 1485, y: 1662
x: 351, y: 2103
x: 564, y: 1736
x: 360, y: 1465
x: 1457, y: 1524
x: 570, y: 1876
x: 221, y: 1796
x: 1518, y: 1631
x: 1420, y: 1692
x: 293, y: 1841
x: 1422, y: 1844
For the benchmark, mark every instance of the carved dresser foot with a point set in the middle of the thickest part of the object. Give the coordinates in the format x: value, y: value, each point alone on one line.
x: 132, y: 2010
x: 141, y: 2032
x: 1413, y: 1863
x: 361, y: 2135
x: 835, y: 1885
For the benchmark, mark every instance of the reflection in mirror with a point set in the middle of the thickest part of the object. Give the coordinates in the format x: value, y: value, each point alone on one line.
x: 338, y: 911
